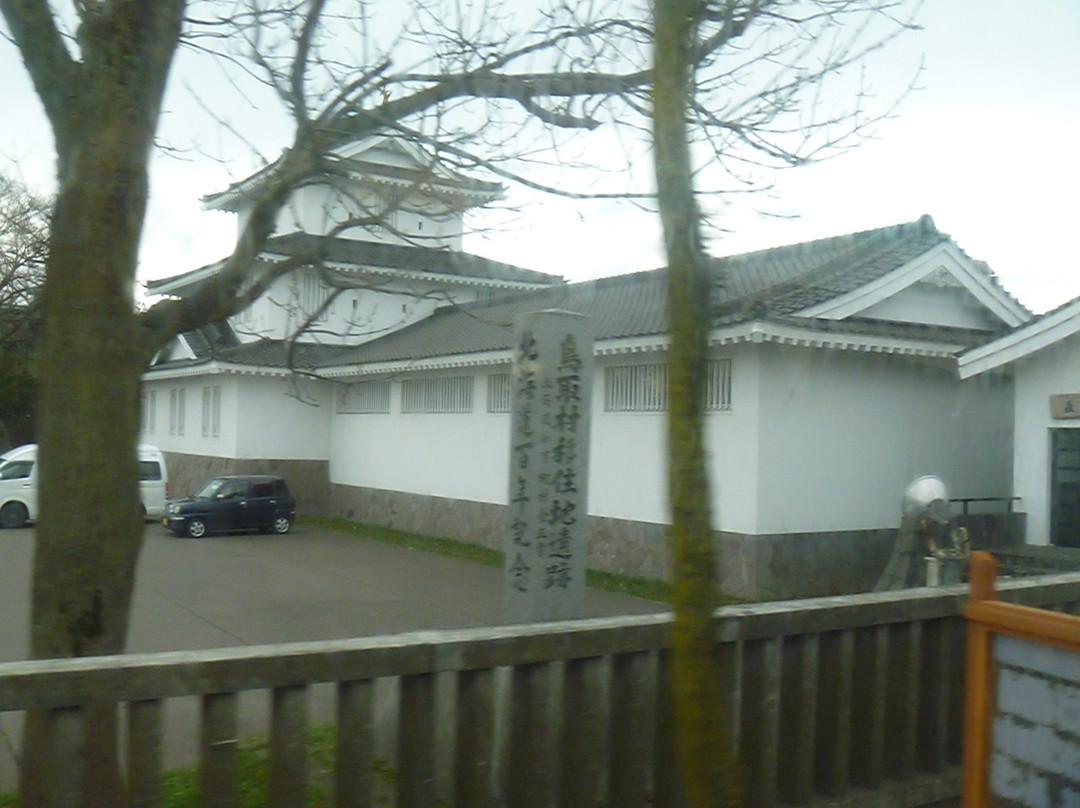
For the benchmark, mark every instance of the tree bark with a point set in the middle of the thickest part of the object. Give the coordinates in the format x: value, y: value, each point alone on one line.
x: 705, y: 755
x: 90, y: 524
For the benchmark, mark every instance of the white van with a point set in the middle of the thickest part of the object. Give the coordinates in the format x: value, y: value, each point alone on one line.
x: 19, y: 484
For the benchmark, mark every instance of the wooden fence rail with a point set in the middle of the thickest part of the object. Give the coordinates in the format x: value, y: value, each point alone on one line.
x: 856, y: 697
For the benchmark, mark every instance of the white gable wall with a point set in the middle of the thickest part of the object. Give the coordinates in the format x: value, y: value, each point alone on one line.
x: 933, y: 304
x: 847, y: 432
x: 1051, y: 371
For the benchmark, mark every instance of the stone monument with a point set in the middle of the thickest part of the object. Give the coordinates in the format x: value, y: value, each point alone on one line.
x: 551, y: 379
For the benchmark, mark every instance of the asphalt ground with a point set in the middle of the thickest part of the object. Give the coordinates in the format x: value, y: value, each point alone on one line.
x: 311, y: 584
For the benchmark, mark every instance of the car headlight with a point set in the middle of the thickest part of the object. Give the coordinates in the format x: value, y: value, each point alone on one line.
x: 174, y: 509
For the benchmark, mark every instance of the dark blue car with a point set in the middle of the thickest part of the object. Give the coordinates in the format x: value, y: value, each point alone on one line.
x: 259, y: 502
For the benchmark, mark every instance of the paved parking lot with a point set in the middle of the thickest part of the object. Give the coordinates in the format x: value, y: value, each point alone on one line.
x: 310, y: 584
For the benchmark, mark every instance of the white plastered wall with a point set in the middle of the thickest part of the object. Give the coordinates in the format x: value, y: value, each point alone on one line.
x: 166, y: 432
x: 282, y: 418
x: 466, y: 456
x: 1053, y: 370
x: 261, y: 417
x: 844, y: 433
x: 455, y: 455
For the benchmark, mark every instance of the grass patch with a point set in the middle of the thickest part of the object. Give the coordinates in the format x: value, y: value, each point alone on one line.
x: 414, y: 541
x: 646, y: 588
x: 180, y: 787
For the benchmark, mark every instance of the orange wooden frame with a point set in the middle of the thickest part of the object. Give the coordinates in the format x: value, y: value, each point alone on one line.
x: 987, y: 616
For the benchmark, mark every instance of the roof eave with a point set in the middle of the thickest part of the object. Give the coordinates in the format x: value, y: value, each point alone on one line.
x: 1049, y: 329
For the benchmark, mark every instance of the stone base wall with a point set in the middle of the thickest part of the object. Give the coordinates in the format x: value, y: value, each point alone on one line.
x: 309, y: 480
x: 763, y: 567
x: 753, y: 567
x: 802, y: 565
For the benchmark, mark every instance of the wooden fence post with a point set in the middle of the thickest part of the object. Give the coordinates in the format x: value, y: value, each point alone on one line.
x: 978, y: 698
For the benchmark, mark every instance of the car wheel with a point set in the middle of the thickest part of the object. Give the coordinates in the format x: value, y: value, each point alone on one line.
x: 281, y: 525
x: 13, y: 515
x: 196, y: 528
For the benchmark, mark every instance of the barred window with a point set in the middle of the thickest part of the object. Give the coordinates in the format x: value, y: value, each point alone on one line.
x: 313, y: 294
x: 498, y: 392
x: 718, y: 384
x: 211, y: 412
x: 365, y: 398
x: 635, y: 388
x: 438, y: 395
x: 149, y: 411
x: 176, y: 411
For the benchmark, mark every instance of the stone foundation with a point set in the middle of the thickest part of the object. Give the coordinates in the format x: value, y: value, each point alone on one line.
x: 753, y: 567
x: 309, y: 480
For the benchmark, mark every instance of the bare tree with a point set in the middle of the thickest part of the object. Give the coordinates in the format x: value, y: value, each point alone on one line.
x: 24, y: 246
x: 487, y: 85
x: 24, y: 241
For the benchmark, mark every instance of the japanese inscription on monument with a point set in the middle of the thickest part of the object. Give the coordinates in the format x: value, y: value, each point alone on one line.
x: 549, y: 446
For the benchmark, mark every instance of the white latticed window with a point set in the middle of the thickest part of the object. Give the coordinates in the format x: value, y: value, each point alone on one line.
x: 365, y: 398
x: 498, y: 392
x: 439, y: 395
x: 149, y: 411
x: 176, y: 411
x: 718, y: 384
x: 635, y: 388
x: 211, y: 412
x: 313, y: 293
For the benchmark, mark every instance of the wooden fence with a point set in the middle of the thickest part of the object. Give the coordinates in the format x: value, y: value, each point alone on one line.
x: 855, y: 697
x: 1022, y: 701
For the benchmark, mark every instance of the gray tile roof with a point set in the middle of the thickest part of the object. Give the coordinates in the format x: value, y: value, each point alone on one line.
x: 767, y: 284
x: 404, y: 257
x: 279, y: 354
x: 372, y: 255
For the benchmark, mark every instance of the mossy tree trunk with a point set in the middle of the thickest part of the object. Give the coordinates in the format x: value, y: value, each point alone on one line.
x: 705, y: 756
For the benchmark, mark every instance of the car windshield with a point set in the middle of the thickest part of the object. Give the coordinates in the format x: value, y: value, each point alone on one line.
x: 208, y: 490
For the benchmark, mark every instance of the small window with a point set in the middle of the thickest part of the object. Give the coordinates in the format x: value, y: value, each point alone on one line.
x: 498, y: 392
x: 148, y: 411
x: 450, y: 394
x: 635, y: 388
x: 211, y: 411
x: 149, y: 470
x: 314, y: 293
x: 176, y: 412
x: 365, y: 398
x: 262, y: 490
x: 718, y: 385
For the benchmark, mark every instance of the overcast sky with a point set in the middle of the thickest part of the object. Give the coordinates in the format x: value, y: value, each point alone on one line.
x: 990, y: 147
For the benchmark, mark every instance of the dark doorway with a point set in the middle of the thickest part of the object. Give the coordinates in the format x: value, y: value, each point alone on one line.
x: 1065, y: 487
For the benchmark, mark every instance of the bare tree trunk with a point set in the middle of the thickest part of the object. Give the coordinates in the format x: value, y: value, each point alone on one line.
x: 705, y: 755
x: 104, y: 112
